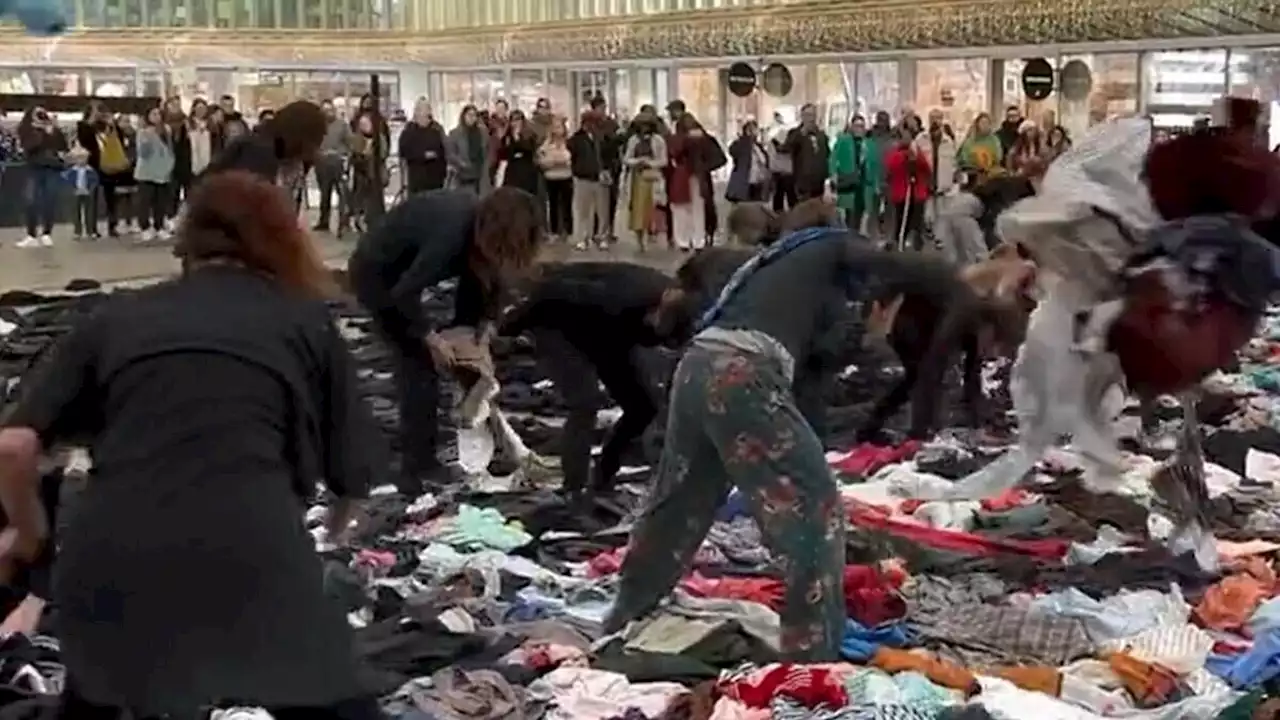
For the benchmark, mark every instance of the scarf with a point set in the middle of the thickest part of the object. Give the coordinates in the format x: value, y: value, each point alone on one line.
x: 767, y: 255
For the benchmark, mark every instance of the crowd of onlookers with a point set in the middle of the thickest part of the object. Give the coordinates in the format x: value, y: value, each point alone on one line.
x: 645, y: 177
x: 886, y: 177
x: 136, y: 171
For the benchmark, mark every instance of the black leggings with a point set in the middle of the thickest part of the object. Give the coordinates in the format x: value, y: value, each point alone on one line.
x: 74, y: 707
x: 575, y: 374
x: 560, y: 206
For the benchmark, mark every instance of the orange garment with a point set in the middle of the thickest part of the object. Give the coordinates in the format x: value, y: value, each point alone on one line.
x: 940, y: 672
x: 1150, y: 685
x: 1230, y: 603
x: 1036, y: 678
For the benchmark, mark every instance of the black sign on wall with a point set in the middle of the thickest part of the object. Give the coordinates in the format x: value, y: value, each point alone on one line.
x: 1037, y: 79
x: 777, y: 80
x: 741, y: 79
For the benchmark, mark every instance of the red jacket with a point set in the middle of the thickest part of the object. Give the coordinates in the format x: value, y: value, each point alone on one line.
x: 898, y: 164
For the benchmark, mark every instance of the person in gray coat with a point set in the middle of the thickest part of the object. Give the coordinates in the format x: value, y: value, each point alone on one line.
x: 468, y: 150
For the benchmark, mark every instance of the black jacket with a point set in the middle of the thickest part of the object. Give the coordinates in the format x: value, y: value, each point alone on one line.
x: 586, y: 160
x: 396, y: 261
x: 595, y: 305
x: 422, y: 148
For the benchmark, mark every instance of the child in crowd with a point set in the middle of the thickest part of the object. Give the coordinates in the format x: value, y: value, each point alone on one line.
x: 83, y: 181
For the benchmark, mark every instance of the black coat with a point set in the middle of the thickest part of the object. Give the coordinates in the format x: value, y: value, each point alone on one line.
x: 422, y: 148
x: 520, y: 155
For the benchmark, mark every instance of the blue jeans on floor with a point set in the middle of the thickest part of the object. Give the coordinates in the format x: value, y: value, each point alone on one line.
x: 42, y: 200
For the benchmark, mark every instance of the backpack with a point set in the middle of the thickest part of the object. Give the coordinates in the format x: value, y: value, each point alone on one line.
x: 112, y: 158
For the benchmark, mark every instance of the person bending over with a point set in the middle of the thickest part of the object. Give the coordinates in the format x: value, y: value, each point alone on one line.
x: 278, y: 150
x: 213, y: 404
x: 589, y: 322
x: 485, y: 243
x: 733, y: 420
x: 929, y: 315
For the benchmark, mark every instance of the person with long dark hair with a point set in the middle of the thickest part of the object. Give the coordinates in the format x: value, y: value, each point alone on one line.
x: 518, y: 153
x: 44, y: 146
x: 279, y: 148
x: 212, y: 404
x: 485, y: 242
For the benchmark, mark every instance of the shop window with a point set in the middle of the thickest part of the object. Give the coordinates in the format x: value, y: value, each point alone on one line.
x: 459, y: 91
x: 133, y: 13
x: 197, y: 12
x: 956, y: 87
x: 560, y: 93
x: 1255, y: 73
x: 1096, y: 88
x: 337, y: 10
x: 643, y: 89
x: 266, y: 14
x: 526, y: 87
x: 93, y: 14
x: 1181, y: 87
x: 621, y: 103
x: 320, y: 86
x: 835, y: 88
x: 313, y: 14
x: 701, y: 91
x: 59, y: 82
x: 879, y: 89
x: 290, y: 16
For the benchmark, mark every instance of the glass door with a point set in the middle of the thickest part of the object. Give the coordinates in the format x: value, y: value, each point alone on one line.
x: 589, y: 84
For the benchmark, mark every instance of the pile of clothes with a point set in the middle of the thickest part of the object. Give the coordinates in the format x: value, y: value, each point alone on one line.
x: 486, y: 602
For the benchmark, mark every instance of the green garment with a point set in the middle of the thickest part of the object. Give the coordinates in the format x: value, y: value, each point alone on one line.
x: 842, y: 163
x: 982, y: 152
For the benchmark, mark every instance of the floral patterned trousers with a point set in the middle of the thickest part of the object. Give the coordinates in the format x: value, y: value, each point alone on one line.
x: 732, y: 421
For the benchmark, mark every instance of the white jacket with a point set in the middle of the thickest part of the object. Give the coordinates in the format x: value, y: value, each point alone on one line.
x: 945, y: 163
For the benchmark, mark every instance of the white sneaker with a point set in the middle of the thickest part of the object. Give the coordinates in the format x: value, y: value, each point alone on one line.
x: 146, y: 236
x: 163, y: 235
x: 30, y: 241
x: 46, y: 241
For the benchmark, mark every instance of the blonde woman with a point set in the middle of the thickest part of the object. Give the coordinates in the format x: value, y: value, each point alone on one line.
x: 555, y: 161
x: 644, y: 158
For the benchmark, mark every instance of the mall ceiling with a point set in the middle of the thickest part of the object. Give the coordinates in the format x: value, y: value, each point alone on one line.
x: 808, y: 28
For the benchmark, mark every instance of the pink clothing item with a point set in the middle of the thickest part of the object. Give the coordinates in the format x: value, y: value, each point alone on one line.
x: 730, y: 709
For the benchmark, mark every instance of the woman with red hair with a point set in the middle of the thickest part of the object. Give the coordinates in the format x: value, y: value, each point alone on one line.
x: 212, y: 404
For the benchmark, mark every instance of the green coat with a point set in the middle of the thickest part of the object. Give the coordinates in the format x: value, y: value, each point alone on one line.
x: 842, y: 163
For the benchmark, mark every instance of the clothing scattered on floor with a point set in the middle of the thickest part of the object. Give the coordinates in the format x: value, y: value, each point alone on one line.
x: 488, y: 600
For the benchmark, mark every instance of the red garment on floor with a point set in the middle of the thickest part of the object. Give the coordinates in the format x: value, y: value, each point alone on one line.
x: 1007, y: 500
x: 871, y: 595
x: 866, y: 459
x: 810, y: 686
x: 868, y: 516
x: 763, y: 590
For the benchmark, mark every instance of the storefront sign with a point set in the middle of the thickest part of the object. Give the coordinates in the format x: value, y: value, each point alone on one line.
x: 1076, y: 80
x: 742, y: 79
x: 1037, y: 79
x: 777, y: 80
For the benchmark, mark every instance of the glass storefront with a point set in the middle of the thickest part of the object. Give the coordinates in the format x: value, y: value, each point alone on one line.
x: 959, y: 88
x: 1183, y: 85
x: 230, y: 14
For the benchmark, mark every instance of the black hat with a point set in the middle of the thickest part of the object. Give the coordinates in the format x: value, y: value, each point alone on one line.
x: 675, y: 106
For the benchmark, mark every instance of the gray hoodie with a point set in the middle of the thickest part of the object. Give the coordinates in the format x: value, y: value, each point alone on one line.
x: 337, y: 138
x: 155, y: 157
